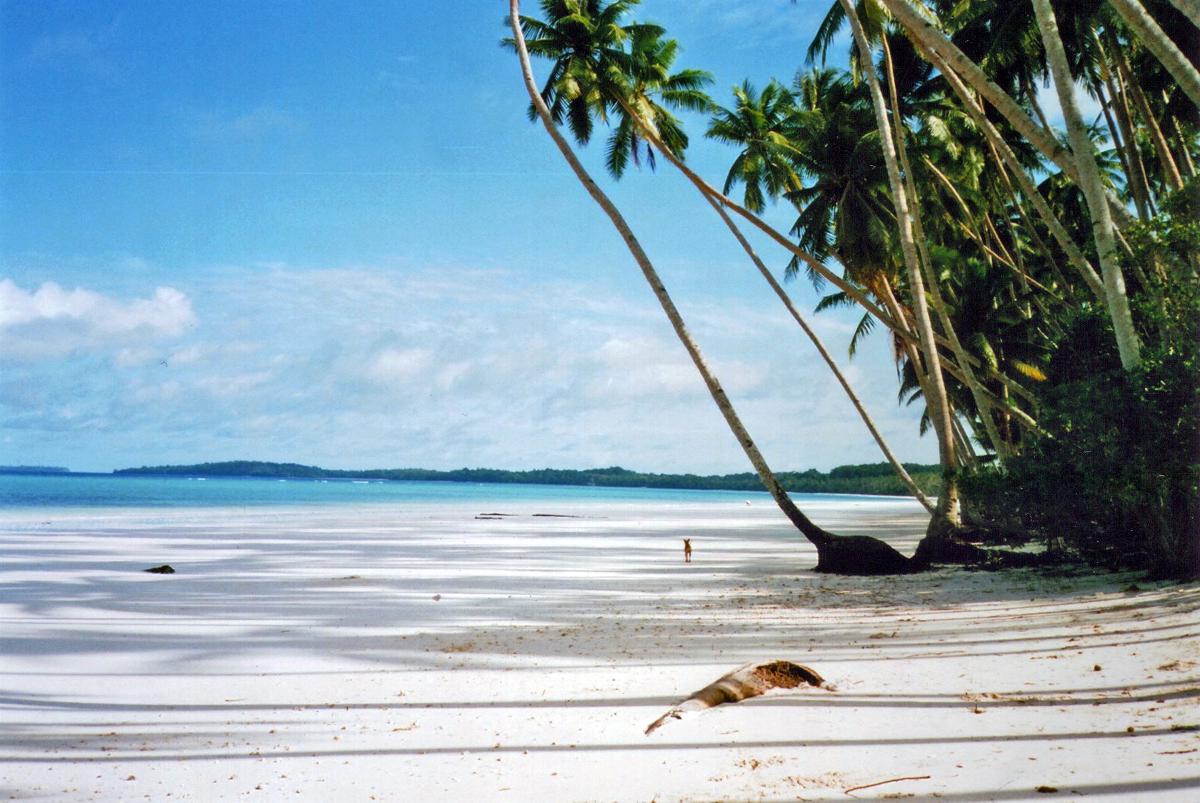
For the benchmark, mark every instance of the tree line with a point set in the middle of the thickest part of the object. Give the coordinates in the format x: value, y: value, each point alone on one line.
x: 1038, y: 285
x: 877, y: 478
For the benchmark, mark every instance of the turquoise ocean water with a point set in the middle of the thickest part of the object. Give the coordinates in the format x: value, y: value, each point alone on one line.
x: 106, y: 490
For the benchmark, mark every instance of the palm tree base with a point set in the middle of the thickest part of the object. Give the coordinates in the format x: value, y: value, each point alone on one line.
x: 863, y: 555
x: 860, y: 555
x: 944, y: 543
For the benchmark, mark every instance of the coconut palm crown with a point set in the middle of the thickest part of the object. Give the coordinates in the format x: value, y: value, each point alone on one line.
x: 609, y: 70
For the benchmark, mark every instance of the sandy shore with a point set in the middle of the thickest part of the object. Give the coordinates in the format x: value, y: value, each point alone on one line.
x: 424, y: 654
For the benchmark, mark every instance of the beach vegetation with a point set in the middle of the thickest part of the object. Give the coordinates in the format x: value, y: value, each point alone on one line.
x: 1037, y: 279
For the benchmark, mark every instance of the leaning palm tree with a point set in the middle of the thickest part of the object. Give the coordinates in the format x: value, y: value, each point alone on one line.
x: 939, y: 400
x: 1158, y: 43
x: 1093, y: 189
x: 851, y: 555
x: 1073, y: 163
x: 765, y: 166
x: 640, y: 102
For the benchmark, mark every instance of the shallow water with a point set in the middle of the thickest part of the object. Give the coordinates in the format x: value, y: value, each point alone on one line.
x: 106, y: 490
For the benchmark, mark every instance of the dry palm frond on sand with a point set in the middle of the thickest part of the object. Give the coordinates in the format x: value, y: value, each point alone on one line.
x: 743, y: 683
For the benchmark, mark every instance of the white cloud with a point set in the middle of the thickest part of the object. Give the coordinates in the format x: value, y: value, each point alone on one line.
x: 398, y: 366
x: 360, y: 367
x: 52, y: 321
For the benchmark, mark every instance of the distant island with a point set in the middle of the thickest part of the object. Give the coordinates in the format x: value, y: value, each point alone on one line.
x: 34, y: 470
x: 871, y: 478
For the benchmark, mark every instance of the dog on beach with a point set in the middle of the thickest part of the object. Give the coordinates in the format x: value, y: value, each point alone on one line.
x: 687, y: 550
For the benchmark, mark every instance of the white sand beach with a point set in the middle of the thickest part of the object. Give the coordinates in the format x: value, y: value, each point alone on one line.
x: 421, y: 654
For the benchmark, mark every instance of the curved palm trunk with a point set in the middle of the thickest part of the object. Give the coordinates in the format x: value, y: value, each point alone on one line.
x: 1158, y: 43
x: 1119, y: 135
x: 1118, y: 88
x: 652, y: 137
x: 897, y: 466
x: 999, y: 446
x: 849, y: 555
x: 893, y: 323
x: 1102, y: 225
x: 931, y: 39
x: 939, y: 401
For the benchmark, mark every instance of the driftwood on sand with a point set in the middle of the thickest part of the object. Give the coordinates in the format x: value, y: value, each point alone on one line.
x: 743, y: 683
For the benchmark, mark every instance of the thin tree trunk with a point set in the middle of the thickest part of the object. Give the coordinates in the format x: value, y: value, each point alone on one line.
x: 931, y: 39
x: 1170, y: 171
x: 1122, y: 147
x: 935, y: 292
x: 652, y: 137
x: 895, y: 325
x: 939, y: 402
x: 1102, y: 226
x: 1183, y: 148
x: 1006, y: 259
x: 1158, y: 43
x: 1128, y: 129
x: 837, y: 554
x: 1031, y: 93
x: 897, y: 466
x: 1074, y: 255
x: 965, y: 449
x: 811, y: 531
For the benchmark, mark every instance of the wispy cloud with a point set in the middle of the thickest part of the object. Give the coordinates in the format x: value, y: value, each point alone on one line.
x: 373, y: 367
x: 88, y: 49
x: 52, y: 321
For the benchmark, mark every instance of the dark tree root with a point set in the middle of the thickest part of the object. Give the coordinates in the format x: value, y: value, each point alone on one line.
x: 743, y: 683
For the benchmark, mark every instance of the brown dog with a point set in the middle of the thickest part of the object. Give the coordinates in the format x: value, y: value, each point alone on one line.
x: 687, y: 550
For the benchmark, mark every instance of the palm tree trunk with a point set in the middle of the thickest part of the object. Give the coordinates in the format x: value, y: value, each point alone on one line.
x: 1122, y: 147
x: 1115, y: 81
x: 939, y: 401
x: 965, y: 447
x: 894, y: 324
x: 935, y: 292
x: 845, y: 554
x: 931, y: 39
x: 1031, y: 94
x: 1158, y: 43
x: 1039, y: 243
x: 651, y: 136
x: 1183, y: 148
x: 1102, y: 226
x: 811, y: 531
x: 897, y: 466
x: 1026, y: 184
x: 1170, y: 170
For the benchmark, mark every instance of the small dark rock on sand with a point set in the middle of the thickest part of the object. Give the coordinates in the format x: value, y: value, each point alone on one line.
x: 164, y: 569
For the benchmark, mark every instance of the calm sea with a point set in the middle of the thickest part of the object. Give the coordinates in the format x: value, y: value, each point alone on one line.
x: 105, y: 490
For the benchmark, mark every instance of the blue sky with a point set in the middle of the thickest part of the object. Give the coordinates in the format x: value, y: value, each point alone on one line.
x: 326, y: 233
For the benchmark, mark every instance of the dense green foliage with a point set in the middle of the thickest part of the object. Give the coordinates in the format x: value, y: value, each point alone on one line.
x: 860, y: 479
x: 1117, y: 477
